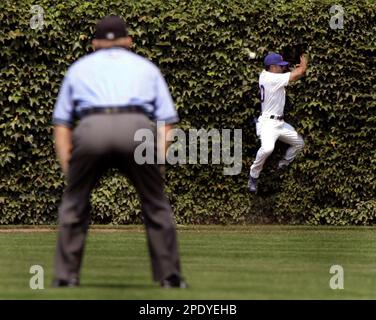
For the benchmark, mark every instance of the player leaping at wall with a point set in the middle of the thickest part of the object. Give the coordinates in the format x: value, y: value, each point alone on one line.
x: 270, y: 125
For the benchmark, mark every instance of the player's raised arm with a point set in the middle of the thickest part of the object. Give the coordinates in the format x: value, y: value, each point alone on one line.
x: 300, y: 69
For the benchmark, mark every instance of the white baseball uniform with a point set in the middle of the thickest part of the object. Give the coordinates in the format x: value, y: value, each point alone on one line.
x: 270, y: 126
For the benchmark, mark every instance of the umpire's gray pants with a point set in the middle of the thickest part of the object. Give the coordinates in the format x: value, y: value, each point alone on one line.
x: 100, y: 142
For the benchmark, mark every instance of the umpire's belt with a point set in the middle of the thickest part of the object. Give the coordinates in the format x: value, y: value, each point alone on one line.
x: 113, y: 110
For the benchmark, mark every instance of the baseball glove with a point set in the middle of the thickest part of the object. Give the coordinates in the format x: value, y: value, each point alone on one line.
x: 292, y: 54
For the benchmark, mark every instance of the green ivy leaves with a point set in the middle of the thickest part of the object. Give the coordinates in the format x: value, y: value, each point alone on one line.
x: 201, y: 47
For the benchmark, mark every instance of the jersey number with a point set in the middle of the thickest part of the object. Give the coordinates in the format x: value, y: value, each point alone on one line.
x: 262, y: 91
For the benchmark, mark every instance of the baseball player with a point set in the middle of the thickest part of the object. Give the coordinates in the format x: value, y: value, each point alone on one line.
x: 113, y: 92
x: 270, y: 125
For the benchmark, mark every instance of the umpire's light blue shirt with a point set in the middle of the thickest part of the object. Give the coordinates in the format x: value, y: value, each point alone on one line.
x: 113, y: 77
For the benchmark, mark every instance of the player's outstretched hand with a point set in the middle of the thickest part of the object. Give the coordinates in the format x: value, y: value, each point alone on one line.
x: 303, y: 60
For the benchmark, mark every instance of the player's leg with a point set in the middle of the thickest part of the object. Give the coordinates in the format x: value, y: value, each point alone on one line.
x: 294, y: 139
x: 85, y: 168
x: 268, y: 136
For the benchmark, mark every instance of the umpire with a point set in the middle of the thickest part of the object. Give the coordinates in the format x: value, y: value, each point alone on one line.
x: 113, y: 92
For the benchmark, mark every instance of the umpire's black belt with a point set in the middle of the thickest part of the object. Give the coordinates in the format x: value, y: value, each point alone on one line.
x: 113, y: 110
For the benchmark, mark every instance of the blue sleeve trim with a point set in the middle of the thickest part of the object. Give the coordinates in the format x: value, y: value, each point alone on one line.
x: 170, y: 120
x: 65, y: 123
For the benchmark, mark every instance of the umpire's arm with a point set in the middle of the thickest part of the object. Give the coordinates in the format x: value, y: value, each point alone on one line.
x: 63, y: 145
x: 164, y: 138
x: 165, y: 114
x: 63, y: 123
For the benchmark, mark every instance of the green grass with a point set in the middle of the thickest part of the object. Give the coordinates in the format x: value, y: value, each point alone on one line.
x: 219, y: 262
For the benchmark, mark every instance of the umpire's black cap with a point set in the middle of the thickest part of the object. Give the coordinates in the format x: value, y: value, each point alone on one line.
x: 110, y: 28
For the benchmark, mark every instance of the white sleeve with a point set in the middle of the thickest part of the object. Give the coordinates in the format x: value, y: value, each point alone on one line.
x: 279, y: 80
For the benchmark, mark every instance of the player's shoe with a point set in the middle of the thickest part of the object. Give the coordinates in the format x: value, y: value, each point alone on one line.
x: 282, y: 164
x: 252, y: 184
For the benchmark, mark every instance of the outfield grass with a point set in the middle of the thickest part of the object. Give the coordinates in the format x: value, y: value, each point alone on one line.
x: 219, y: 262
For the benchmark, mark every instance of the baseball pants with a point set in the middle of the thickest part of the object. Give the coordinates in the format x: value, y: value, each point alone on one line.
x: 269, y: 131
x: 101, y: 142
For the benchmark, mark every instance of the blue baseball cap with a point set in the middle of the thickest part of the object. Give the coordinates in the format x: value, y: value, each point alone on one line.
x: 274, y: 58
